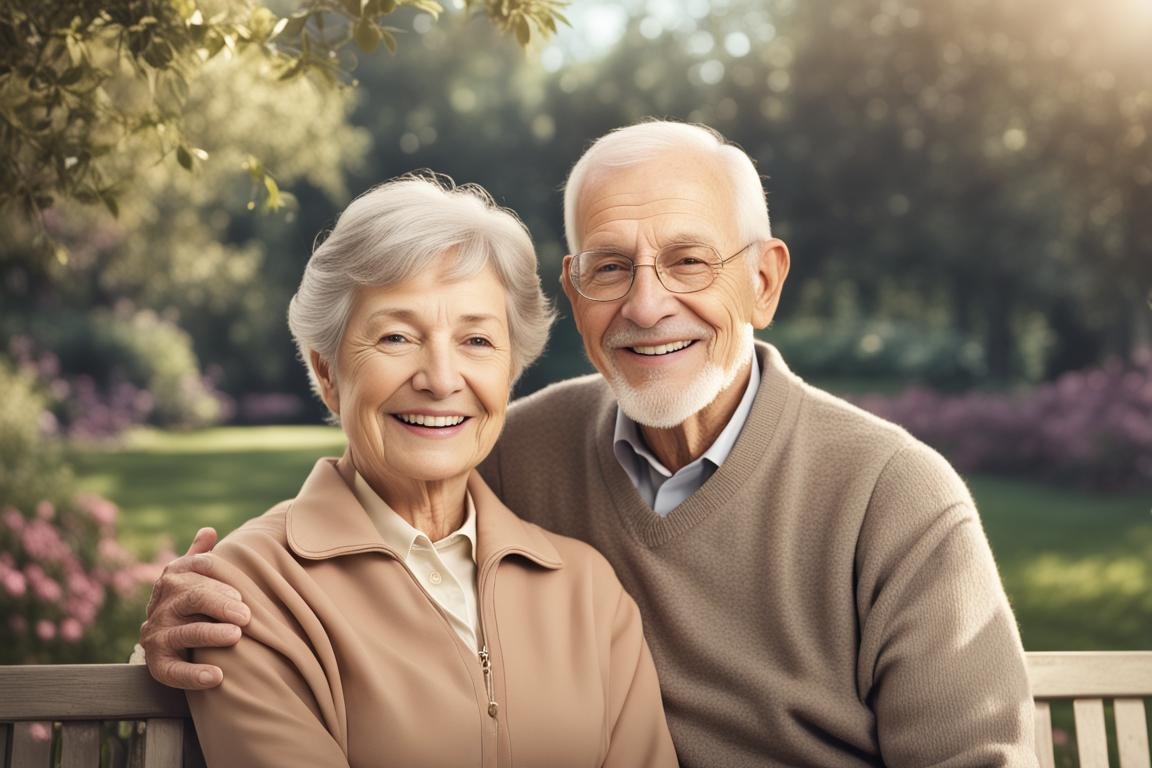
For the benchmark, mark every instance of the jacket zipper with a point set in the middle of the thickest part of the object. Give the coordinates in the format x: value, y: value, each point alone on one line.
x: 486, y: 668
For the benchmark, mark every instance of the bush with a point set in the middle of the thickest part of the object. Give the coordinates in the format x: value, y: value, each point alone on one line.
x: 106, y: 371
x: 822, y: 349
x: 68, y: 591
x: 1092, y: 427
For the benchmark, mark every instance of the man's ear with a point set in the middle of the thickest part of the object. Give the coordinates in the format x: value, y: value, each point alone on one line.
x: 771, y: 270
x: 328, y: 391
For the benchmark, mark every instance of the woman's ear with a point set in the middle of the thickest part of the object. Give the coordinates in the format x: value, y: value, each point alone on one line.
x: 771, y: 271
x: 325, y: 376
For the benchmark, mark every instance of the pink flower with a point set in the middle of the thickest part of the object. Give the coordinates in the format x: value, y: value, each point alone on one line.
x: 45, y: 630
x: 15, y: 584
x: 40, y: 732
x: 42, y: 542
x: 45, y: 510
x: 71, y: 630
x: 13, y: 520
x: 98, y: 508
x: 110, y: 551
x: 48, y: 590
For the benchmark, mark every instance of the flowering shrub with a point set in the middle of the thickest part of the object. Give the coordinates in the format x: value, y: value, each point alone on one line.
x: 66, y: 584
x: 1091, y: 427
x: 68, y: 590
x: 108, y: 371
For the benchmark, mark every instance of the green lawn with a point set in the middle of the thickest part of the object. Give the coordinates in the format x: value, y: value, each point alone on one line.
x: 1077, y: 566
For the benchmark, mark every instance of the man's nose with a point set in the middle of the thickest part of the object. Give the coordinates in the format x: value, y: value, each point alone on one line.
x: 648, y: 302
x: 439, y: 373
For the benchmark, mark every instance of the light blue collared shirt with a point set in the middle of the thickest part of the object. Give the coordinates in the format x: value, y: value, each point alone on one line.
x: 658, y: 486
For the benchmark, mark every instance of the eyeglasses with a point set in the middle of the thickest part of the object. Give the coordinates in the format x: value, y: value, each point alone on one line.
x: 680, y: 268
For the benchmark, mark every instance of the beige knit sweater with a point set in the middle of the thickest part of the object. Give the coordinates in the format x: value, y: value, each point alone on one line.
x: 827, y: 598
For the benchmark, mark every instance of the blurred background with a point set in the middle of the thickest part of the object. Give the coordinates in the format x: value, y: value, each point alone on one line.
x: 965, y: 186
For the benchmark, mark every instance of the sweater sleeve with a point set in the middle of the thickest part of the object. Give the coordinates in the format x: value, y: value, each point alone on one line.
x: 940, y: 663
x: 637, y: 726
x: 275, y: 706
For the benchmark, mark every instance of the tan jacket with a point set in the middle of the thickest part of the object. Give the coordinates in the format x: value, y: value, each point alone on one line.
x: 347, y: 661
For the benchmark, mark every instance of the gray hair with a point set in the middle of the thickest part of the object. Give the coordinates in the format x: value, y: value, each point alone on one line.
x: 399, y: 228
x: 644, y: 141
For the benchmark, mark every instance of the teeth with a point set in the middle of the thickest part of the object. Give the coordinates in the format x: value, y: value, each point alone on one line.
x: 661, y: 349
x: 429, y: 421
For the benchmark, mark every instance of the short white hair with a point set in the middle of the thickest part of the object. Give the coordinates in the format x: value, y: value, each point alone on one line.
x: 400, y: 228
x: 645, y: 141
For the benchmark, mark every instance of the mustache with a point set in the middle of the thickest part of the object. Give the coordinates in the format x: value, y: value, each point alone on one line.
x: 634, y: 336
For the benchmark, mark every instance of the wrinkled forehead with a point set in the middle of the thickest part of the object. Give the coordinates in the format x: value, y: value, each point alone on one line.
x: 686, y: 190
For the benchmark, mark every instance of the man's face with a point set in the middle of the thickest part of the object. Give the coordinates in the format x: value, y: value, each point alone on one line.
x: 666, y: 355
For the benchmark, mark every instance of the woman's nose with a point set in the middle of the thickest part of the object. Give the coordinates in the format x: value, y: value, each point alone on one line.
x: 439, y: 372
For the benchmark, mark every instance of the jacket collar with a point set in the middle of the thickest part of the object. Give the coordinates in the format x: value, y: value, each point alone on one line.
x: 325, y: 520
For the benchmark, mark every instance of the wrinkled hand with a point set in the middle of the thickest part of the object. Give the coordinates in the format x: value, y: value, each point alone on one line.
x: 191, y: 609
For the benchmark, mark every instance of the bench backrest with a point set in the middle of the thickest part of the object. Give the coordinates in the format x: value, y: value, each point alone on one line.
x: 1090, y: 680
x: 78, y: 700
x: 71, y: 712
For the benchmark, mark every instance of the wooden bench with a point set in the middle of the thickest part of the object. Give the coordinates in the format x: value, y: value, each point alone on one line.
x: 82, y: 699
x: 87, y: 705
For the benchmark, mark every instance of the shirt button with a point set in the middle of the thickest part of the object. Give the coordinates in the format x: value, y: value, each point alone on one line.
x: 435, y: 577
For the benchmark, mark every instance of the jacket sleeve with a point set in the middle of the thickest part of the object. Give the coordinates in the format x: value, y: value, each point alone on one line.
x: 940, y: 657
x: 276, y: 706
x: 638, y: 730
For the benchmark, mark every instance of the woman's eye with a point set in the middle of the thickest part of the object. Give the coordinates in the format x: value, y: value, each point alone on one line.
x: 392, y: 338
x: 478, y: 341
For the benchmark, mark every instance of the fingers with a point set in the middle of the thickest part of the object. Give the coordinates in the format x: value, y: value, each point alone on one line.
x: 191, y: 596
x: 202, y: 542
x: 164, y: 652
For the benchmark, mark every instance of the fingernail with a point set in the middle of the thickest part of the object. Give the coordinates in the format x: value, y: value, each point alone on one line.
x: 238, y: 612
x: 205, y: 678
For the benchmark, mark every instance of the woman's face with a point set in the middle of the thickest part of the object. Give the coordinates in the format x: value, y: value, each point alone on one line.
x: 422, y: 377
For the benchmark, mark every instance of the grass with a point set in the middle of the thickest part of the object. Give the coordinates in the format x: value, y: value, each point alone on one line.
x: 1077, y: 565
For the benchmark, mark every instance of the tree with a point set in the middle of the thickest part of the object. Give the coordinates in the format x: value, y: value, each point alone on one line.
x: 79, y: 79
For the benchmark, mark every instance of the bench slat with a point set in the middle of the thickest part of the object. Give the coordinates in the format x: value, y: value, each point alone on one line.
x: 1074, y: 674
x: 163, y: 743
x: 1132, y: 733
x: 1091, y: 741
x: 27, y: 751
x: 1044, y: 749
x: 86, y: 692
x: 80, y: 745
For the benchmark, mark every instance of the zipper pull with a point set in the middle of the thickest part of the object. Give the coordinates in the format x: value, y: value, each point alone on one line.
x: 486, y: 667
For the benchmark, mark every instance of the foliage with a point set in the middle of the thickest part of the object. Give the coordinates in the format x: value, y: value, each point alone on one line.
x: 78, y: 79
x: 67, y: 588
x: 830, y: 349
x: 107, y: 371
x: 1092, y: 427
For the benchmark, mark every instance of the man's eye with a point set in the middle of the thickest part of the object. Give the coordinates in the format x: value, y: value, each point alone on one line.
x: 610, y: 267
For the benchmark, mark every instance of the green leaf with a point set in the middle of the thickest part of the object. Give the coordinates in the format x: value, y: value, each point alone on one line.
x: 110, y: 203
x: 389, y: 40
x: 352, y: 8
x: 368, y: 36
x: 184, y: 157
x: 523, y: 33
x: 71, y: 76
x: 273, y: 201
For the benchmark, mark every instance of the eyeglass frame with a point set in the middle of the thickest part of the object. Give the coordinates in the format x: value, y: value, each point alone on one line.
x: 717, y: 268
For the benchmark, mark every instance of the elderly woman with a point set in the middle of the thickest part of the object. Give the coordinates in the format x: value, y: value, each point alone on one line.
x: 401, y: 615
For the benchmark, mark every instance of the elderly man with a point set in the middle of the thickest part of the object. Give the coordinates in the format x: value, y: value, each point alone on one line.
x: 815, y: 584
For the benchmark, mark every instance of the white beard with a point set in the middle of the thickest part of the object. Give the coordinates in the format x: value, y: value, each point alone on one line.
x: 663, y: 404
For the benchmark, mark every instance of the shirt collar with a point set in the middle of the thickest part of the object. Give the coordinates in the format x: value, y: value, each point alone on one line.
x: 628, y: 444
x: 398, y: 532
x: 326, y: 520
